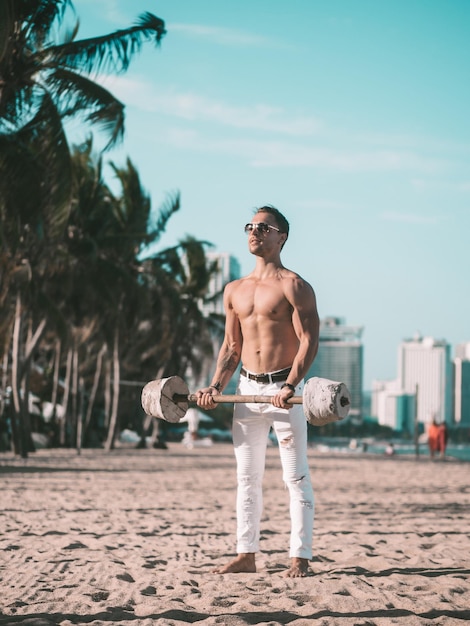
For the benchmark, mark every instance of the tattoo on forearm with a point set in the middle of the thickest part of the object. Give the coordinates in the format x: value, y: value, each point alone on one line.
x: 229, y: 362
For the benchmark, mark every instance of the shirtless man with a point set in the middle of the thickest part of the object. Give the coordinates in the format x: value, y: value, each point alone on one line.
x: 272, y: 327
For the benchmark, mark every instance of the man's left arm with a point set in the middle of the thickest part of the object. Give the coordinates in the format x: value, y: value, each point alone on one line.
x: 306, y: 324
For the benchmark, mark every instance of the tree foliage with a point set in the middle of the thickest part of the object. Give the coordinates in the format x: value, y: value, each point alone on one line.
x: 82, y: 309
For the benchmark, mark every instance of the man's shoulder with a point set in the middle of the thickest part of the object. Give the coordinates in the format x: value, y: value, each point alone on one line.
x: 294, y: 283
x: 290, y: 275
x: 239, y: 281
x: 233, y: 285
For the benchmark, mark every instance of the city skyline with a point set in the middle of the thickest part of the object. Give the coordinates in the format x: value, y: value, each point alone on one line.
x: 431, y: 386
x: 340, y: 358
x: 351, y: 118
x: 336, y: 333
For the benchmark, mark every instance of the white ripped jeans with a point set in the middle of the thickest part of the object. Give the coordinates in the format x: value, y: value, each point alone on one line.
x: 251, y: 425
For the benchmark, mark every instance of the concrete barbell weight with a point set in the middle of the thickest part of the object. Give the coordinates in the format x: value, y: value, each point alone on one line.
x: 323, y: 400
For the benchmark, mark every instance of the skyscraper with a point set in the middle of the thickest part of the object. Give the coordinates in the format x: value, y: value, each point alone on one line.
x: 392, y: 406
x: 340, y: 358
x: 424, y: 364
x: 462, y: 384
x: 227, y: 269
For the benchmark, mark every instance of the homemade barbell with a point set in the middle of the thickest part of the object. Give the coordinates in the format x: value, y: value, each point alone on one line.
x: 323, y: 400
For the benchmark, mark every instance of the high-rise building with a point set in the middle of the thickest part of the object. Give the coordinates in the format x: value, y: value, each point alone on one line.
x: 424, y: 365
x: 462, y: 384
x: 340, y: 358
x: 227, y: 269
x: 462, y: 351
x: 392, y: 406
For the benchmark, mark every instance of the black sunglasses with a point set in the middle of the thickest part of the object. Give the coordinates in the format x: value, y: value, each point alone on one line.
x: 261, y: 227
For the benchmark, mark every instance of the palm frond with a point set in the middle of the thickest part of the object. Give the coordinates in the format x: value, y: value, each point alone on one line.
x: 77, y: 94
x: 198, y: 272
x: 168, y: 208
x: 111, y: 52
x: 89, y: 187
x: 6, y: 23
x: 53, y: 150
x: 134, y: 205
x: 39, y: 16
x: 17, y: 106
x: 15, y: 195
x: 45, y: 143
x: 70, y: 35
x: 170, y: 260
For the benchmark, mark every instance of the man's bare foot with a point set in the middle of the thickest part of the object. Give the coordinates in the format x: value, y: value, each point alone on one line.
x: 298, y: 568
x: 242, y: 563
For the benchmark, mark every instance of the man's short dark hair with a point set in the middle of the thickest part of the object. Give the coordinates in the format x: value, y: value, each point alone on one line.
x: 278, y: 216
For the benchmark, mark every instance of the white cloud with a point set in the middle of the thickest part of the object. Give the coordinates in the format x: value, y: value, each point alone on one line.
x: 421, y: 184
x: 314, y: 146
x: 410, y: 218
x: 264, y: 154
x: 198, y: 108
x: 224, y: 36
x: 324, y: 204
x: 277, y: 154
x: 108, y: 10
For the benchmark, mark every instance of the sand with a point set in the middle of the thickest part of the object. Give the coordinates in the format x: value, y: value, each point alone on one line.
x: 130, y: 538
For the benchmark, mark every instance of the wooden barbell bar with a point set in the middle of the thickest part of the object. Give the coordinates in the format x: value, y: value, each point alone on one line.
x: 323, y: 400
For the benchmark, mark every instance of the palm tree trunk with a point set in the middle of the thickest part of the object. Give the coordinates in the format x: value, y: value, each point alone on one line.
x: 55, y: 388
x: 15, y: 396
x: 115, y: 398
x: 74, y: 397
x: 80, y: 415
x: 17, y: 412
x: 94, y: 390
x: 26, y: 415
x: 65, y: 400
x: 31, y: 343
x: 4, y: 381
x: 21, y: 374
x: 55, y: 379
x: 25, y: 381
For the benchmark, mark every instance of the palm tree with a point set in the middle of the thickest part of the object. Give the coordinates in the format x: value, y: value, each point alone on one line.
x: 34, y: 69
x: 41, y: 84
x: 87, y: 284
x: 126, y: 239
x: 114, y: 309
x: 102, y: 291
x: 189, y: 341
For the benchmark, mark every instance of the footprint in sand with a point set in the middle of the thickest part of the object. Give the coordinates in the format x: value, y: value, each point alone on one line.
x: 125, y: 577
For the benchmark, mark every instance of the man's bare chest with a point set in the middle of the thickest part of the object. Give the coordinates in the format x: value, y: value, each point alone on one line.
x: 260, y: 300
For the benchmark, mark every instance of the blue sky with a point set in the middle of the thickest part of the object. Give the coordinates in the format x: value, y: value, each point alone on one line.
x: 350, y: 116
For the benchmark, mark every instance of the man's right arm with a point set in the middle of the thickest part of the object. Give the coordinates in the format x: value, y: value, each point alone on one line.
x: 229, y: 354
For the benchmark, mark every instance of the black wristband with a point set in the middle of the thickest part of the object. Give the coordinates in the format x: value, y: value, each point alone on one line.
x: 291, y: 387
x: 216, y: 387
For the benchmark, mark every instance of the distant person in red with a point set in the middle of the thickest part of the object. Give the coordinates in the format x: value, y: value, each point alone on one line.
x: 437, y: 438
x: 442, y: 438
x: 433, y: 432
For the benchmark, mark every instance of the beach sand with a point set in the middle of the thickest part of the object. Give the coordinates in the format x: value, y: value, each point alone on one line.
x: 130, y: 538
